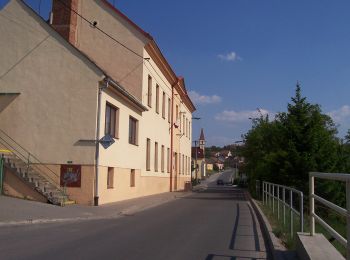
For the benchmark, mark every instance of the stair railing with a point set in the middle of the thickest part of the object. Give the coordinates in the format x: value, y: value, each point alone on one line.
x: 30, y: 160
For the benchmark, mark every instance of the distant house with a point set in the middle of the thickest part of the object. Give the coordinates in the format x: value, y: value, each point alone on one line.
x: 220, y: 162
x: 210, y: 164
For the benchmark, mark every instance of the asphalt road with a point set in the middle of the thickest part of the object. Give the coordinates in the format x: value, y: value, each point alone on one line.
x: 215, y: 223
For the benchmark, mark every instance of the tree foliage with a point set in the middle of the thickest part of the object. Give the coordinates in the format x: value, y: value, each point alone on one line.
x: 303, y: 139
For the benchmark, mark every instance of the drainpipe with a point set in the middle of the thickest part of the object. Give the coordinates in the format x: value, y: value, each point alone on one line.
x: 172, y: 134
x: 97, y: 153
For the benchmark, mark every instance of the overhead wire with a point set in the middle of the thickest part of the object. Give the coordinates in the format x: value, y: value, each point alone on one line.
x: 24, y: 56
x: 112, y: 38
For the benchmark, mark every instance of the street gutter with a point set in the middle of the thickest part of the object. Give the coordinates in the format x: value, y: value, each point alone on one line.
x: 276, y: 250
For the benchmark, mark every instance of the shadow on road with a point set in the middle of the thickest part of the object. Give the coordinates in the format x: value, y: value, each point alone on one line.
x: 219, y: 193
x: 246, y: 240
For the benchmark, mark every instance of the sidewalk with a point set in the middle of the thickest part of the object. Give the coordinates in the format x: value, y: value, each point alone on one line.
x: 19, y: 212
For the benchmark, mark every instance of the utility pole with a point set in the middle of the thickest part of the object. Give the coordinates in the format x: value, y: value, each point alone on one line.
x: 195, y: 144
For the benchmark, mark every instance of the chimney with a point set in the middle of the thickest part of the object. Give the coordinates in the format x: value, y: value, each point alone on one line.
x: 64, y: 19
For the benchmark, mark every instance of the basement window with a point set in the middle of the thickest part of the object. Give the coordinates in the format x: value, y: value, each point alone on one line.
x: 132, y: 178
x: 110, y: 178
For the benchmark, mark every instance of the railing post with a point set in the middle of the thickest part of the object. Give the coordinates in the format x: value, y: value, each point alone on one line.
x: 291, y: 212
x: 348, y: 219
x: 311, y: 199
x: 266, y: 194
x: 278, y: 202
x: 273, y: 198
x: 263, y: 192
x: 284, y: 205
x: 301, y: 212
x: 270, y: 193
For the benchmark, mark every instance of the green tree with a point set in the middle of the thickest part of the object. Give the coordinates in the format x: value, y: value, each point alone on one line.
x: 347, y: 137
x: 296, y: 142
x: 310, y: 142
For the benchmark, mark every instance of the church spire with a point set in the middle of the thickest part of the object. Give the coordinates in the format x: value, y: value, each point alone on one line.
x: 201, y: 137
x: 202, y: 140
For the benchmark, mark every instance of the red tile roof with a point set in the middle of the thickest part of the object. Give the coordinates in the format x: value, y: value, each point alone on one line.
x: 200, y: 153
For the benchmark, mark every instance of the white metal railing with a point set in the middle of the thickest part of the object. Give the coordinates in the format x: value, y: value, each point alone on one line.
x: 277, y: 193
x: 344, y: 212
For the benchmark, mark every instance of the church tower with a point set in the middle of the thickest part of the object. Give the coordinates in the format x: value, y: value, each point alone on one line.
x: 202, y: 140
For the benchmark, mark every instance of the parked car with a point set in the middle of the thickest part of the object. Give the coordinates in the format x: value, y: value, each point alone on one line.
x: 220, y: 182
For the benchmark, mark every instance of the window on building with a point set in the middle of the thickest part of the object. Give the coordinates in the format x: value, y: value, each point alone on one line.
x: 179, y: 163
x: 169, y: 110
x: 110, y: 178
x: 168, y: 160
x: 149, y: 100
x: 155, y: 156
x: 189, y: 130
x: 132, y: 178
x: 183, y: 124
x: 133, y: 130
x: 186, y: 127
x: 157, y: 99
x: 177, y: 112
x: 183, y: 164
x: 180, y: 128
x: 186, y: 165
x: 175, y: 163
x: 111, y: 120
x: 163, y: 105
x: 148, y: 155
x: 162, y: 159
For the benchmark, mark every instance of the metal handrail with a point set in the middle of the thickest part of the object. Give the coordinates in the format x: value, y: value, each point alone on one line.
x: 269, y: 197
x: 33, y: 156
x: 28, y: 158
x: 344, y: 212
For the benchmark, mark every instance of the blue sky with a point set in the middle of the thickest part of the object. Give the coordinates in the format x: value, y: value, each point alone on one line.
x: 240, y: 55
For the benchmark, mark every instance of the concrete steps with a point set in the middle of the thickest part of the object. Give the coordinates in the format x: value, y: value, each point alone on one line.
x: 36, y: 180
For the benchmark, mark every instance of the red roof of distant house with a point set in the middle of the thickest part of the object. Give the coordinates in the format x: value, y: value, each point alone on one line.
x: 128, y: 20
x: 200, y: 153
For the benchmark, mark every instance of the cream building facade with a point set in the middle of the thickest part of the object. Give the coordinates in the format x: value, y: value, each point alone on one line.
x: 85, y: 85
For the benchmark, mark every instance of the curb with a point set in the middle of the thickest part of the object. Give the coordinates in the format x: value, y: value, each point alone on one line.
x: 52, y: 220
x: 275, y: 246
x: 123, y: 213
